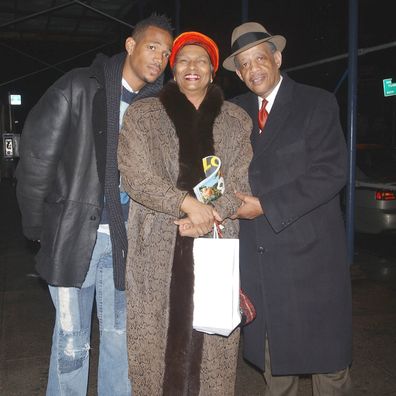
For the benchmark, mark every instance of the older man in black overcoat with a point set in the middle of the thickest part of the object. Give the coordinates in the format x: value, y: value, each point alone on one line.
x: 293, y: 246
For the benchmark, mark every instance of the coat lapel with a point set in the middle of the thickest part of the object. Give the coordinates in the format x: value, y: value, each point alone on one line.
x: 252, y: 109
x: 277, y: 119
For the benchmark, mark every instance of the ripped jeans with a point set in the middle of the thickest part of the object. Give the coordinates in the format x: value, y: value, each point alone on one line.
x: 68, y: 371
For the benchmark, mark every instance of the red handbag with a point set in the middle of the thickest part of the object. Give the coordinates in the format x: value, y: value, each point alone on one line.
x: 248, y: 312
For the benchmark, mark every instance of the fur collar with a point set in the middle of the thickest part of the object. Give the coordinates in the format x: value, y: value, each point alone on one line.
x: 194, y: 128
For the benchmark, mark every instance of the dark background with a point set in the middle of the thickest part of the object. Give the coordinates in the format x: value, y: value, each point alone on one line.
x: 314, y: 29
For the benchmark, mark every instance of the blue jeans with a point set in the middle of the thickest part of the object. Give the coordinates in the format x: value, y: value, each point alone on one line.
x: 68, y: 371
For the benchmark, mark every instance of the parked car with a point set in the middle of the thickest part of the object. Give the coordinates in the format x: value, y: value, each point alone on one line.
x: 375, y: 193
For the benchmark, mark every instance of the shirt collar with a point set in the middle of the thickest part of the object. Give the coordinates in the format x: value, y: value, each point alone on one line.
x: 127, y: 86
x: 271, y: 97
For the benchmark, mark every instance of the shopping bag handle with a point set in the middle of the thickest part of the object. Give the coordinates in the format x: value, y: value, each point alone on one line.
x: 217, y: 234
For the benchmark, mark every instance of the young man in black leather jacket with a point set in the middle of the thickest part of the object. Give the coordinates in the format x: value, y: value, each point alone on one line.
x: 71, y: 201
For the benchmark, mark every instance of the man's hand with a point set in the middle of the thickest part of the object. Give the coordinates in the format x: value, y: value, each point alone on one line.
x: 250, y: 207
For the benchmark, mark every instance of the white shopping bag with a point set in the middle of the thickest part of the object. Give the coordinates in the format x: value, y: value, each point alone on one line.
x: 216, y: 285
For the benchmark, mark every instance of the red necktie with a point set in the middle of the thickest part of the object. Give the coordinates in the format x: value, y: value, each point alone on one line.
x: 262, y: 115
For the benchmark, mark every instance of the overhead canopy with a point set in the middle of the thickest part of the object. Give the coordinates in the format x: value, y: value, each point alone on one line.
x: 41, y: 35
x: 65, y: 20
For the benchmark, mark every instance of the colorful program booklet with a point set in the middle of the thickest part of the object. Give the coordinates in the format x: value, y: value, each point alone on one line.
x: 212, y: 187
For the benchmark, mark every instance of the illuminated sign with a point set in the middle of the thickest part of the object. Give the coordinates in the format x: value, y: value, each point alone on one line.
x: 15, y: 100
x: 389, y: 87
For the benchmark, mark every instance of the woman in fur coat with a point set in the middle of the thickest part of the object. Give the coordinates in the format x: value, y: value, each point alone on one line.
x: 161, y: 147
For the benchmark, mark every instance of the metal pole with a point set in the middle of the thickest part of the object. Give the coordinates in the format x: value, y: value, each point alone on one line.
x: 9, y: 111
x: 245, y: 10
x: 361, y: 52
x: 393, y: 131
x: 177, y: 16
x: 352, y: 108
x: 341, y: 80
x: 2, y: 121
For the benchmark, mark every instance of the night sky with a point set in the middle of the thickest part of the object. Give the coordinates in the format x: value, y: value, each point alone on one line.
x: 314, y: 29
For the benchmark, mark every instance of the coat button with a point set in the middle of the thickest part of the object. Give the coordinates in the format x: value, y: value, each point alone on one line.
x: 100, y: 132
x: 260, y: 250
x: 92, y: 218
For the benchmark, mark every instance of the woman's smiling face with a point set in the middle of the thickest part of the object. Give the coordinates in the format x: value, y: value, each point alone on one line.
x: 193, y: 70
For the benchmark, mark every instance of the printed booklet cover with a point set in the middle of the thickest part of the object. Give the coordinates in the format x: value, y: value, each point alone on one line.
x: 212, y: 187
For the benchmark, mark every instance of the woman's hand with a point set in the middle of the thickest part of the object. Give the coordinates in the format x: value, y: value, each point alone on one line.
x: 187, y: 226
x: 201, y: 216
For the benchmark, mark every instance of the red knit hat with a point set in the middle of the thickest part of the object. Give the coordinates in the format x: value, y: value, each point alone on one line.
x: 196, y: 38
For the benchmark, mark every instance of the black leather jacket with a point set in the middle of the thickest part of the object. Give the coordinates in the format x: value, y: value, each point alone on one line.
x: 61, y: 172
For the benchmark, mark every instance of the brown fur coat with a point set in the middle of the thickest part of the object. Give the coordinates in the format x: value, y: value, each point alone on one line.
x: 160, y: 153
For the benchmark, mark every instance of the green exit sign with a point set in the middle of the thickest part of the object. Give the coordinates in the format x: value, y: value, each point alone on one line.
x: 389, y: 87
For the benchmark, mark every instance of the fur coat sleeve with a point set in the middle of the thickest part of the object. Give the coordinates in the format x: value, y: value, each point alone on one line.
x: 148, y: 157
x: 235, y: 155
x: 145, y: 144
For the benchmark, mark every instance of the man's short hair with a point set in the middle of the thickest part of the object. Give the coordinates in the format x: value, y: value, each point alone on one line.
x: 159, y: 21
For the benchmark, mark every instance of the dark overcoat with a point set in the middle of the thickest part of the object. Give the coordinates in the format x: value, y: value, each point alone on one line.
x: 293, y: 258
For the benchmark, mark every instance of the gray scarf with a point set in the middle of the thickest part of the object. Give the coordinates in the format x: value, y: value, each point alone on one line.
x: 113, y: 76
